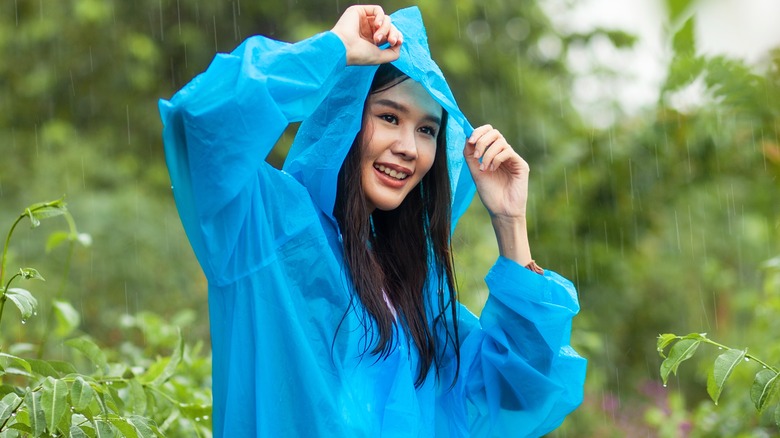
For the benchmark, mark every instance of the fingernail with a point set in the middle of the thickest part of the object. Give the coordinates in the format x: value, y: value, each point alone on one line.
x: 379, y: 36
x: 481, y: 167
x: 476, y: 154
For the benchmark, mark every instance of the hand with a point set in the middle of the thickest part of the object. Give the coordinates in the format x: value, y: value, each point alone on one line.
x: 362, y: 29
x: 501, y: 177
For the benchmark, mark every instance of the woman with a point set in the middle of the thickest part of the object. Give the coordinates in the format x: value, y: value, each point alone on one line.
x: 331, y: 296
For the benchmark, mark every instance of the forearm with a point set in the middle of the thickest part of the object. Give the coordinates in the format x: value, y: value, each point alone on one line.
x: 512, y: 237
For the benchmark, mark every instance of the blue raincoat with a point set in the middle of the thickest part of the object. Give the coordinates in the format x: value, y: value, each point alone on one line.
x: 278, y: 290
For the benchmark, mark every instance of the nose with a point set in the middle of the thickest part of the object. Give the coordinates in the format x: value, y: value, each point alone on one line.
x: 405, y: 145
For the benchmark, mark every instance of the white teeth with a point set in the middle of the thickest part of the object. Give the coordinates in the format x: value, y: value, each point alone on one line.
x: 391, y: 172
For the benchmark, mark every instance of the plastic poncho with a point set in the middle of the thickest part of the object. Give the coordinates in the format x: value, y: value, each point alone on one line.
x: 287, y: 355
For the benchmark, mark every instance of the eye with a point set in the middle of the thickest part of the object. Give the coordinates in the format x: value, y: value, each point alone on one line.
x: 389, y: 118
x: 428, y: 130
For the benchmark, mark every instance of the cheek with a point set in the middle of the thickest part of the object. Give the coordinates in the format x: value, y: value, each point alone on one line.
x: 425, y: 159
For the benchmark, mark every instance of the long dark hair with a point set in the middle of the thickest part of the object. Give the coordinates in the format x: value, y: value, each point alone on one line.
x: 390, y: 252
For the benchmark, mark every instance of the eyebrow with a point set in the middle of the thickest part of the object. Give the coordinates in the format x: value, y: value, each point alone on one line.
x: 404, y: 109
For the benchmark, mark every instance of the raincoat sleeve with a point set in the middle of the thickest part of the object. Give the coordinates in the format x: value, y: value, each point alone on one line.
x: 219, y: 129
x: 519, y: 376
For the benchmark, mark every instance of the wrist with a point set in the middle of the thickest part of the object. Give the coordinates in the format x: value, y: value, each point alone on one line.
x: 512, y: 237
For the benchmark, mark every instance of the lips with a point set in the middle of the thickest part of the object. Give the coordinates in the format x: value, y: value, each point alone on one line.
x: 392, y: 176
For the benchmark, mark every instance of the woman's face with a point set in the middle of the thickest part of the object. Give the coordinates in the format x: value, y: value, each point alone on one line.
x: 400, y: 126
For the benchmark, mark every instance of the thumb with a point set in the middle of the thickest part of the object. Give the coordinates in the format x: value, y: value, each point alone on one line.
x: 388, y: 54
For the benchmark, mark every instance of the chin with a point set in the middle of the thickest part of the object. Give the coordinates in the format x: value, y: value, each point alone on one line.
x: 388, y: 205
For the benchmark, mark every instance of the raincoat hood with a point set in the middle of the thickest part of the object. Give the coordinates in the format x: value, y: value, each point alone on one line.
x: 324, y: 138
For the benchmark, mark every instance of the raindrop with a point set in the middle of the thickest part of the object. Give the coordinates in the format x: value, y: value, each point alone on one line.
x: 720, y: 348
x: 206, y: 417
x: 478, y: 31
x: 35, y: 313
x: 747, y: 359
x: 24, y: 321
x: 197, y: 418
x: 518, y: 29
x: 664, y: 385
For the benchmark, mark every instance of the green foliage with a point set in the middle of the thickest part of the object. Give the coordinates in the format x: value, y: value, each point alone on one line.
x: 766, y: 384
x: 114, y: 393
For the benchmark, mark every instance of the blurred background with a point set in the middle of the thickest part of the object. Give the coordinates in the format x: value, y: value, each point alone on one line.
x: 651, y: 126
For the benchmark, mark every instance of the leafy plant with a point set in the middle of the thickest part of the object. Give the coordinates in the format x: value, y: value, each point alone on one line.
x: 766, y: 384
x: 124, y: 393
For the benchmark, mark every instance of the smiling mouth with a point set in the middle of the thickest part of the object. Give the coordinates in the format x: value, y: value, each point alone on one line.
x: 390, y: 172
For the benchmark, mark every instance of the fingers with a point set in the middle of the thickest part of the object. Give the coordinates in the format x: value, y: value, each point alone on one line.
x: 383, y: 27
x: 362, y: 29
x: 388, y: 33
x: 480, y: 141
x: 490, y: 145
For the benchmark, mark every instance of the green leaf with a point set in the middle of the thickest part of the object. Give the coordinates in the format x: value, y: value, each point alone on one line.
x: 31, y: 274
x: 680, y: 352
x: 25, y: 302
x: 126, y: 428
x: 14, y: 363
x: 67, y: 318
x: 54, y: 399
x: 164, y: 368
x: 45, y: 210
x: 136, y: 397
x: 56, y: 239
x: 91, y: 351
x: 765, y: 387
x: 195, y: 411
x: 696, y: 336
x: 721, y: 370
x: 145, y: 427
x: 62, y: 367
x: 676, y: 8
x: 77, y: 432
x: 684, y: 42
x: 663, y: 341
x: 21, y: 424
x: 104, y: 429
x: 7, y: 406
x: 81, y: 394
x: 37, y: 418
x: 43, y: 368
x: 777, y: 415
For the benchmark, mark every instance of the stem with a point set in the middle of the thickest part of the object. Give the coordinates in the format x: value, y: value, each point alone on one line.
x: 3, y: 297
x: 4, y: 258
x: 747, y: 355
x: 5, y: 247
